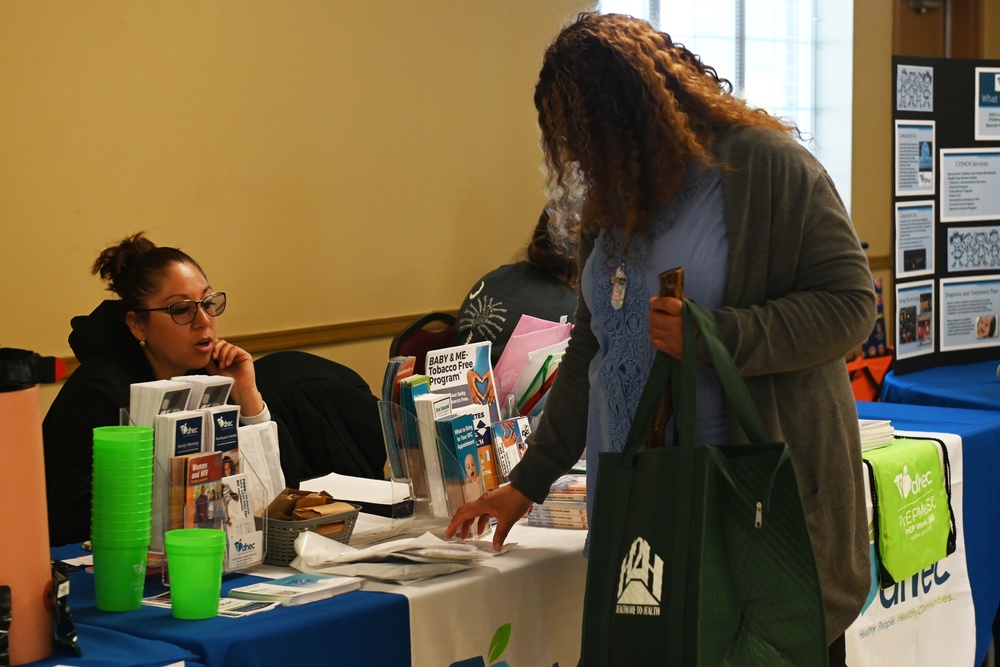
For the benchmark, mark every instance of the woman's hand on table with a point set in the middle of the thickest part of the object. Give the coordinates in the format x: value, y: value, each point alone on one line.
x: 506, y: 503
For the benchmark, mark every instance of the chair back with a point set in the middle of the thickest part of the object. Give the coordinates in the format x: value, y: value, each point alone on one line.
x: 328, y: 411
x: 428, y: 332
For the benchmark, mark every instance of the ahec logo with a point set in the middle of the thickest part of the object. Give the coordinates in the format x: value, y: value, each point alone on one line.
x: 640, y: 581
x: 908, y: 484
x: 918, y: 513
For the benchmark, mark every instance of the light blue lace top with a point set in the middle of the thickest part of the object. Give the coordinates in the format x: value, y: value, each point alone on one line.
x: 689, y: 232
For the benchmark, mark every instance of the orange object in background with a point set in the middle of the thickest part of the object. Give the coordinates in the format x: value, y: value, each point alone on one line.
x: 867, y: 375
x: 25, y: 564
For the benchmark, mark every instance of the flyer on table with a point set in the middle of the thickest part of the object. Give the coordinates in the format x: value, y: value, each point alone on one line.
x: 969, y: 308
x: 914, y: 238
x: 915, y: 316
x: 914, y: 157
x: 970, y: 184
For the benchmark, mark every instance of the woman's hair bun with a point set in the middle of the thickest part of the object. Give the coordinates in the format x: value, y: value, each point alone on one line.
x: 115, y: 261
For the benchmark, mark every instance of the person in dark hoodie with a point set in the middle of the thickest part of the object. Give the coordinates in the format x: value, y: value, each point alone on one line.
x: 163, y: 324
x: 542, y: 285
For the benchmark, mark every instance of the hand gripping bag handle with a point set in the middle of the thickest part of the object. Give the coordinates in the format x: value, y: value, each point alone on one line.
x: 682, y: 376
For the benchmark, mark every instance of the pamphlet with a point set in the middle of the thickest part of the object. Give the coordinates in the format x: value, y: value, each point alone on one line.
x: 206, y: 390
x: 230, y: 607
x: 244, y: 543
x: 465, y: 372
x: 298, y: 588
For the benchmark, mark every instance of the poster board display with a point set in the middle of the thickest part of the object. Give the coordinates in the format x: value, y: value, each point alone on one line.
x: 946, y: 211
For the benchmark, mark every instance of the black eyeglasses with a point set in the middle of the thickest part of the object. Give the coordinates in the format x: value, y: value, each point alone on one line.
x: 184, y: 312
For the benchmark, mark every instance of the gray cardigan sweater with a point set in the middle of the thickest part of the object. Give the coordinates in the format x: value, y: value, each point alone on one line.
x: 798, y: 297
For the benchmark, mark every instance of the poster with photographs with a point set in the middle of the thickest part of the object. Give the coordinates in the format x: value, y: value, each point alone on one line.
x: 914, y: 319
x: 969, y: 309
x: 914, y: 158
x: 946, y: 211
x: 915, y: 238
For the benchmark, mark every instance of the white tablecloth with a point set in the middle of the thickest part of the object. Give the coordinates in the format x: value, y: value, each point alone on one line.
x: 537, y: 588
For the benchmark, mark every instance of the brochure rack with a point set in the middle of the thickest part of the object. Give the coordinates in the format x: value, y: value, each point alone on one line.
x: 206, y: 504
x: 436, y: 479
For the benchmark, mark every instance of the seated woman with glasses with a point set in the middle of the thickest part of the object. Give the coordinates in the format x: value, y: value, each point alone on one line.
x: 162, y: 325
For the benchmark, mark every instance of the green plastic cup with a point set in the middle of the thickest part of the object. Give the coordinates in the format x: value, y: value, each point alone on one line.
x: 122, y: 449
x: 128, y: 496
x: 194, y: 564
x: 122, y: 506
x: 119, y: 575
x: 106, y: 527
x: 123, y: 434
x: 104, y: 524
x: 123, y: 462
x: 124, y: 502
x: 141, y: 542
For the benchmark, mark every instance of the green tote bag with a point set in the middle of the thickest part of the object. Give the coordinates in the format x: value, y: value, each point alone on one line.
x: 699, y: 555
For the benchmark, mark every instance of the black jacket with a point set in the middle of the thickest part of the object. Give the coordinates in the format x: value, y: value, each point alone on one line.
x: 110, y: 361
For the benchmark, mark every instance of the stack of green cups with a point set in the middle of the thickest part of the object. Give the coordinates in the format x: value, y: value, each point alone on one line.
x: 121, y: 514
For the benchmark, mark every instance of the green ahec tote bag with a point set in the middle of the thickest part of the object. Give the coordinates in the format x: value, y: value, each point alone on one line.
x: 699, y: 555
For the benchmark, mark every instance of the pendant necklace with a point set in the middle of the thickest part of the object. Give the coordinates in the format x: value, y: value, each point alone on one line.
x: 619, y: 281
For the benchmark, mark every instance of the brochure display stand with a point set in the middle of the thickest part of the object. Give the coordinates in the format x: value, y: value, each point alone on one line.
x: 429, y: 465
x: 208, y: 471
x: 946, y: 228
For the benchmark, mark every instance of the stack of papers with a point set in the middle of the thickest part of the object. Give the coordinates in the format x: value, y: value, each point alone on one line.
x: 206, y: 390
x: 157, y: 397
x: 402, y: 561
x: 565, y: 506
x: 297, y: 588
x: 529, y: 363
x: 875, y: 433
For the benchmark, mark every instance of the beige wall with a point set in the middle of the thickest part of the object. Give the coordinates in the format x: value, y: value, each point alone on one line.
x: 326, y: 161
x: 871, y: 147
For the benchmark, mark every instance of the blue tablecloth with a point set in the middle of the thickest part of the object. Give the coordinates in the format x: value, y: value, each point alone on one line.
x: 361, y: 628
x: 980, y: 433
x: 973, y: 386
x: 109, y: 648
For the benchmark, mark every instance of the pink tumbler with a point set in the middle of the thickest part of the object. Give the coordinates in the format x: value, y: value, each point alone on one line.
x: 24, y: 524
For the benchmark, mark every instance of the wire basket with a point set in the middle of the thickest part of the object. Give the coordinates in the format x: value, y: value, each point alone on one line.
x: 279, y: 536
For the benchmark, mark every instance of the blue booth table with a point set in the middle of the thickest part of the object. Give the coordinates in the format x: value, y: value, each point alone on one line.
x: 973, y: 386
x: 980, y: 433
x: 524, y: 607
x: 353, y: 629
x: 110, y: 648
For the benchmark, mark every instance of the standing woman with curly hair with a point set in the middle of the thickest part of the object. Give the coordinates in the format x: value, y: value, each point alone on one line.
x: 163, y: 324
x: 674, y: 170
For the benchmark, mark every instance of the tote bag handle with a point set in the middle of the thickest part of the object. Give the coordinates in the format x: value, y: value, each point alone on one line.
x: 682, y: 377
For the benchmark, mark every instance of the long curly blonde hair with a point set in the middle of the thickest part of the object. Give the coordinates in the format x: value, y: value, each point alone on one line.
x: 624, y: 111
